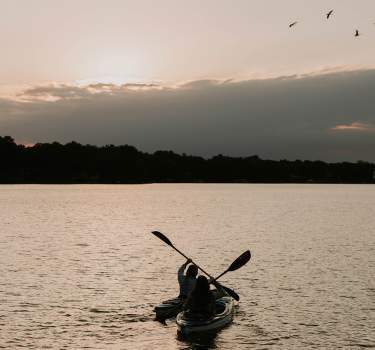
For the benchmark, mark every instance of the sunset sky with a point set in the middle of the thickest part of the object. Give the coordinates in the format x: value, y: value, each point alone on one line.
x: 202, y: 77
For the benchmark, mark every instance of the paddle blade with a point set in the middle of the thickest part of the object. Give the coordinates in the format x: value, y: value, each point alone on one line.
x: 240, y: 261
x: 162, y: 237
x: 232, y: 293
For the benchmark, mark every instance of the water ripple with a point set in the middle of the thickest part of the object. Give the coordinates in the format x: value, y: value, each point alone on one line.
x: 79, y: 268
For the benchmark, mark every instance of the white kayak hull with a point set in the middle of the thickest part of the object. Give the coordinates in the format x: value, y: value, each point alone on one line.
x: 190, y: 325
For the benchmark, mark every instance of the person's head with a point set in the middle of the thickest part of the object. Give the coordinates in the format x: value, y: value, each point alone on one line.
x: 192, y: 271
x: 201, y: 287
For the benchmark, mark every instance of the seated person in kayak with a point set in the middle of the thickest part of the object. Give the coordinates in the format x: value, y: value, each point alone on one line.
x: 201, y: 301
x: 187, y: 281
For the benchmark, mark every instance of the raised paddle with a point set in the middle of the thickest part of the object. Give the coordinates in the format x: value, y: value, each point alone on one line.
x: 240, y: 261
x: 236, y: 264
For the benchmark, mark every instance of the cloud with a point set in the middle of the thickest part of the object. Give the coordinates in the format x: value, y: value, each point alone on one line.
x: 289, y: 117
x: 129, y: 86
x: 201, y: 84
x: 55, y: 92
x: 355, y: 126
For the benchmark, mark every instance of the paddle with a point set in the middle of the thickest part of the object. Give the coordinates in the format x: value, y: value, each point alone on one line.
x: 240, y: 261
x: 236, y: 264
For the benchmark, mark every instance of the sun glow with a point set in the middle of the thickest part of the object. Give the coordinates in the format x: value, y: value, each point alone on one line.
x: 114, y: 68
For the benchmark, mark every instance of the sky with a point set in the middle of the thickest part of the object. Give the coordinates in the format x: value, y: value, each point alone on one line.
x: 200, y: 77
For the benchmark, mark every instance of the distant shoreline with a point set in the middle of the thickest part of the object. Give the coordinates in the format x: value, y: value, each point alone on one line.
x: 179, y: 183
x: 73, y: 163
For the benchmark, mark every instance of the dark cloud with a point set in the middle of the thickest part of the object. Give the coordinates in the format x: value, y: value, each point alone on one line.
x: 286, y: 117
x: 5, y: 108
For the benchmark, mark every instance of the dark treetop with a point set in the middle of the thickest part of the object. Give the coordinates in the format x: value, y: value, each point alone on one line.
x: 76, y: 163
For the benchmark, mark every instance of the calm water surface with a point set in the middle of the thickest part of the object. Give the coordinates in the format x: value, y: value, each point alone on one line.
x: 79, y: 268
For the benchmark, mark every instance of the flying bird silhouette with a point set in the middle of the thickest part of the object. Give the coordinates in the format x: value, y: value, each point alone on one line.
x: 356, y: 32
x: 292, y: 24
x: 329, y: 14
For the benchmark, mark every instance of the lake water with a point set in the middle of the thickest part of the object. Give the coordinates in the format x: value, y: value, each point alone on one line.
x: 79, y: 268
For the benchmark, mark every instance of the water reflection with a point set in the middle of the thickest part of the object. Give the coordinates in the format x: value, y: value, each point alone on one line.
x: 79, y: 268
x: 198, y: 341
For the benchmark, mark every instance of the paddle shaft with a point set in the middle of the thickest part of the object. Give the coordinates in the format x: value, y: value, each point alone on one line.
x: 221, y: 275
x: 206, y: 273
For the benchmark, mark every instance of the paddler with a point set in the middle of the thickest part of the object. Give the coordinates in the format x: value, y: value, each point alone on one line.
x: 187, y: 280
x: 201, y: 301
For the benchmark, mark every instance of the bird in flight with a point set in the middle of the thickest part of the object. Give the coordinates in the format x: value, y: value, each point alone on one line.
x: 356, y: 32
x: 329, y: 14
x: 292, y: 24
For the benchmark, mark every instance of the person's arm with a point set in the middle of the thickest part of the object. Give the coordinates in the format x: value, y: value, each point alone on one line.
x: 181, y: 270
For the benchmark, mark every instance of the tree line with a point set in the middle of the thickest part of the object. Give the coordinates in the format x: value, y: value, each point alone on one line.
x: 75, y: 163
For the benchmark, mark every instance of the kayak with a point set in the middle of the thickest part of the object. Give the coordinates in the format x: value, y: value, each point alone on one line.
x: 188, y: 324
x: 168, y: 309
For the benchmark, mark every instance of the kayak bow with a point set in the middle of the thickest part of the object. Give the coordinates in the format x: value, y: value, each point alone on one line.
x: 168, y: 309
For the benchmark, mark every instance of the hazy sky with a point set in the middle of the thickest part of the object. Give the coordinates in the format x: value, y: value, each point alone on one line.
x: 51, y: 51
x: 174, y: 40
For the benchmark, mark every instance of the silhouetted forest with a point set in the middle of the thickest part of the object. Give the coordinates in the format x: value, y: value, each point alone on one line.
x: 76, y: 163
